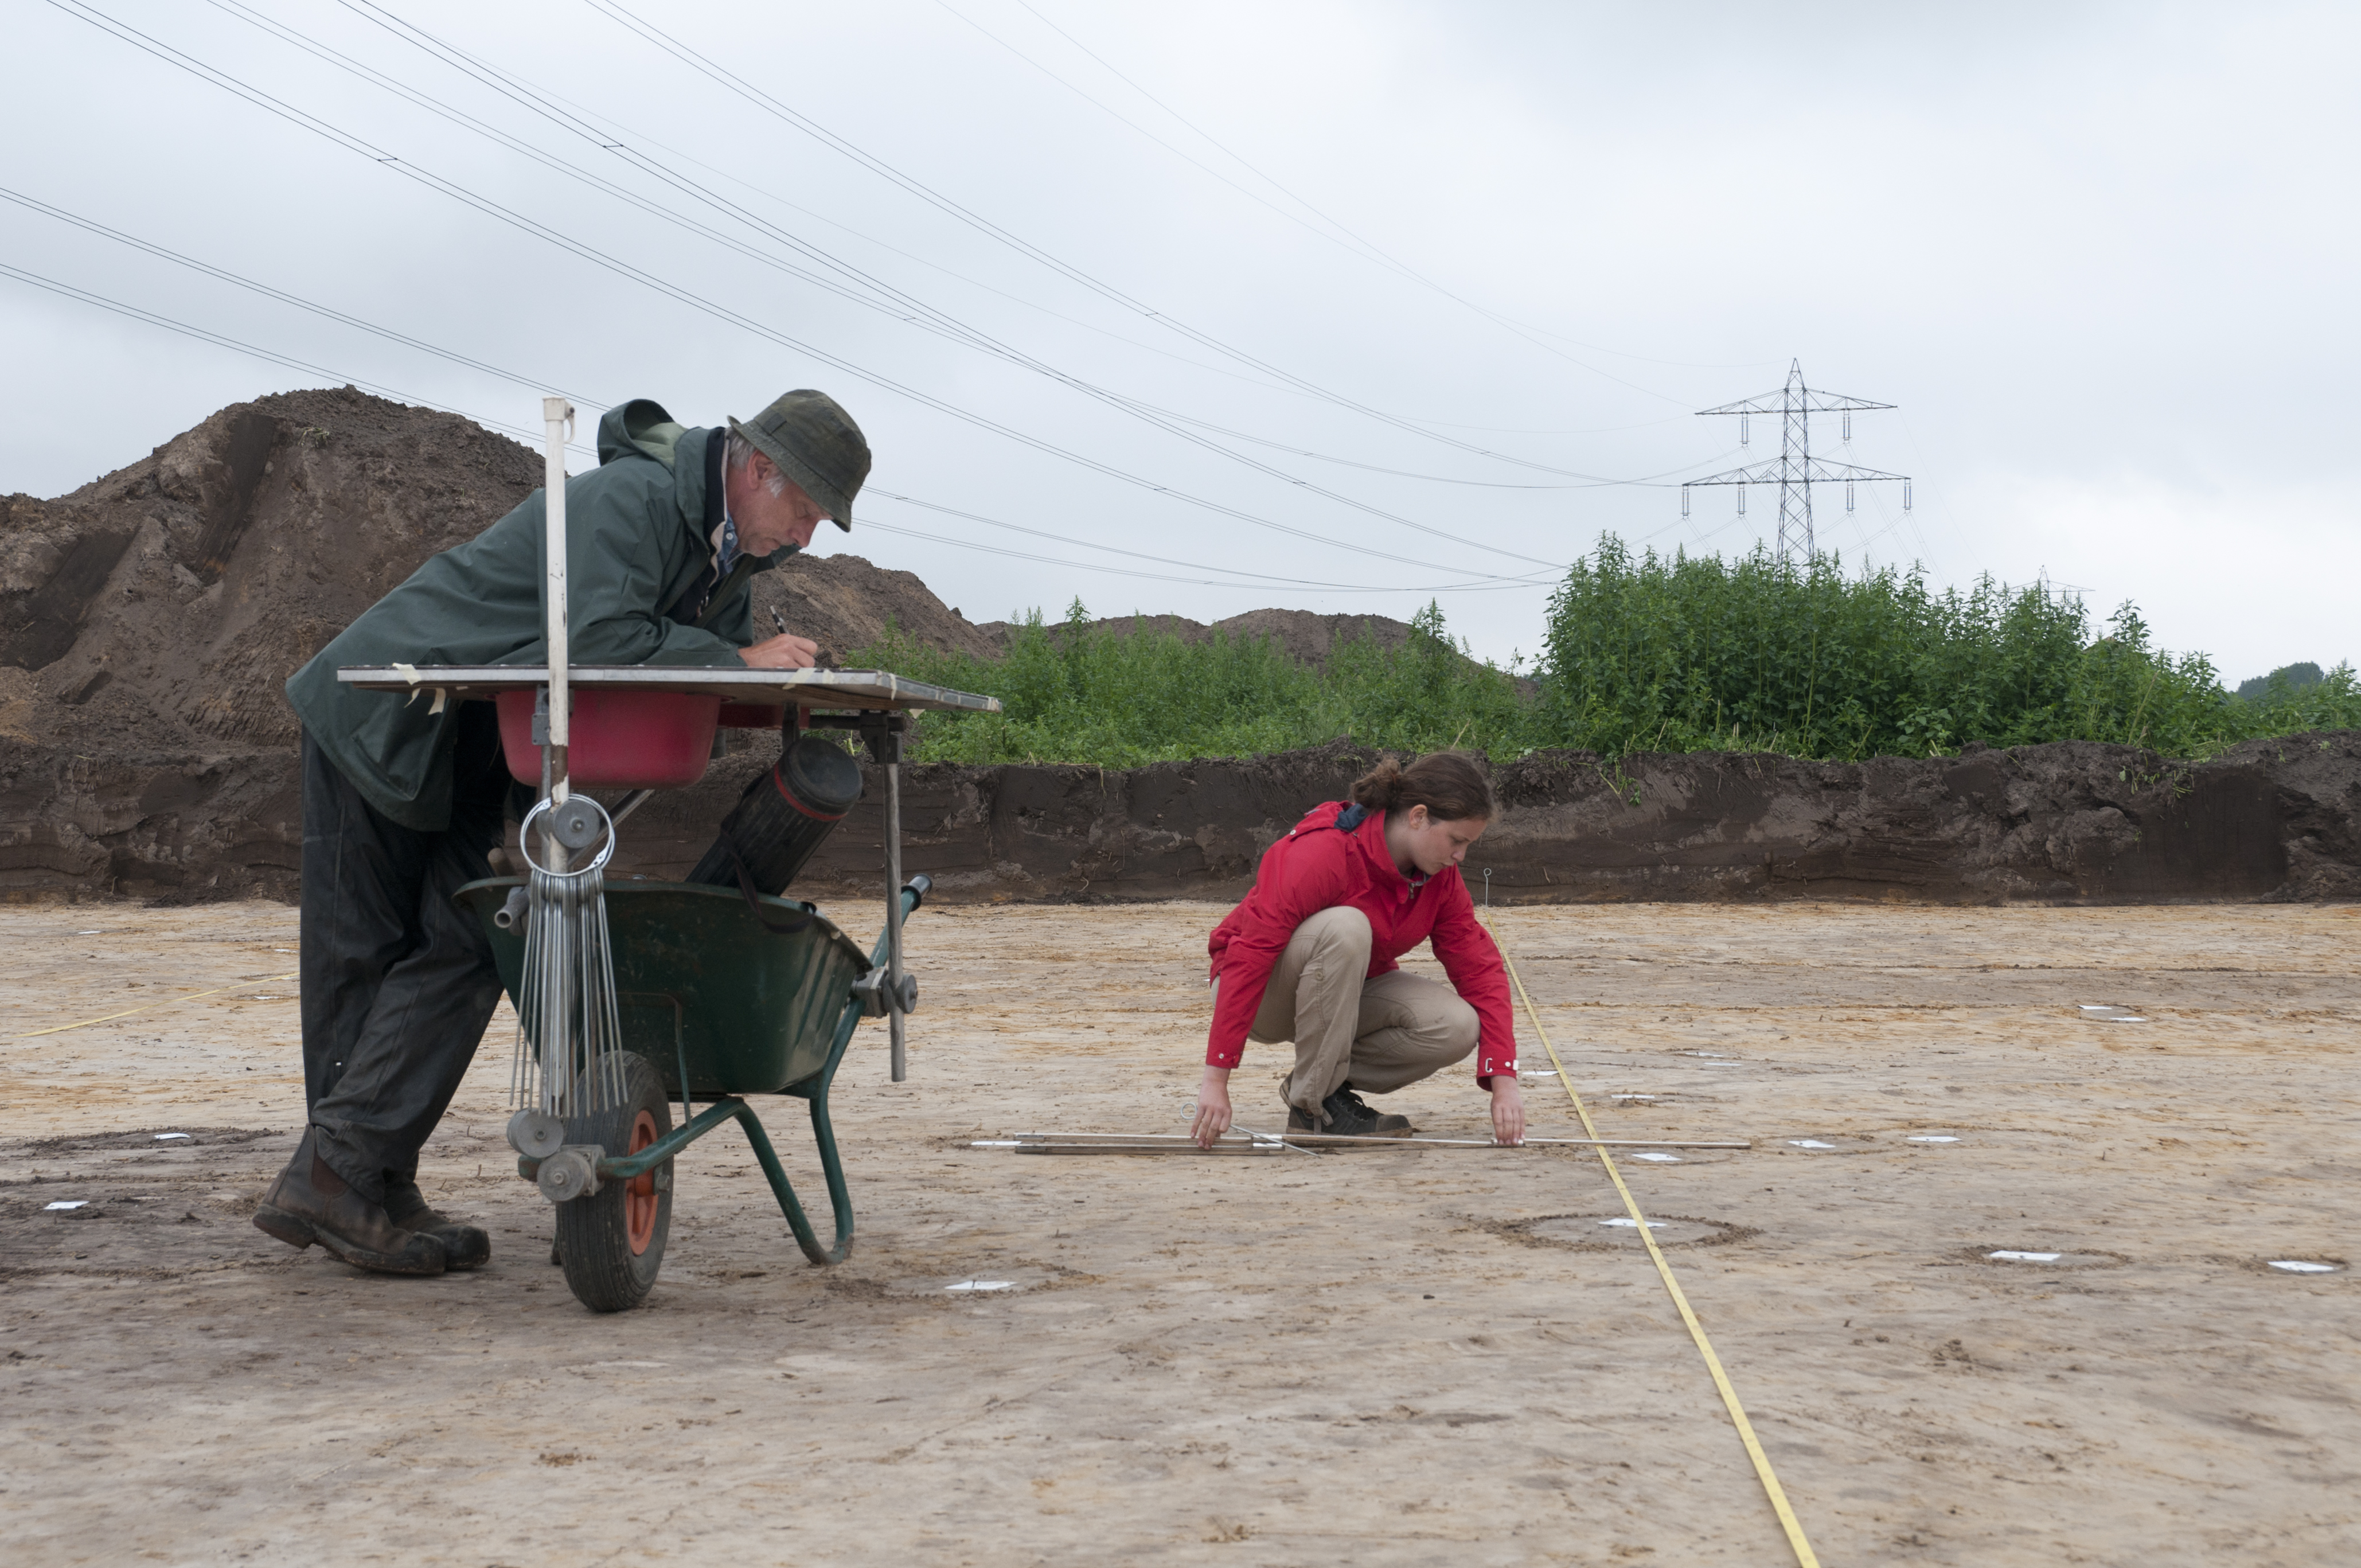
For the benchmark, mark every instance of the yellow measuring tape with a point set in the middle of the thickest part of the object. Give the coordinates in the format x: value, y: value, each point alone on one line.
x: 162, y: 1001
x: 1803, y: 1554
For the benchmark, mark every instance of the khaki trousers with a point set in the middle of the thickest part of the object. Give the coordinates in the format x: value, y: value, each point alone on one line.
x: 1378, y: 1034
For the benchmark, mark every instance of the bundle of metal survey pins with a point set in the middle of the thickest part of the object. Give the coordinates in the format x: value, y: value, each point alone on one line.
x: 569, y: 1061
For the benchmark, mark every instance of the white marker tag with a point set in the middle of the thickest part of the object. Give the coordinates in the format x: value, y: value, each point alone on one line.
x: 982, y: 1284
x: 1811, y: 1144
x: 1659, y: 1159
x: 166, y: 1137
x: 1627, y: 1224
x: 2007, y: 1257
x: 2298, y: 1265
x: 75, y: 1203
x: 1935, y: 1139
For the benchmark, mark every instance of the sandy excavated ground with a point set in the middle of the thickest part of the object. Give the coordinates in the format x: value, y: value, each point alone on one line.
x: 1434, y: 1357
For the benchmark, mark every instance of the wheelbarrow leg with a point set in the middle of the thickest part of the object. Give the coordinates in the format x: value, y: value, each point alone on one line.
x: 815, y: 1089
x: 840, y: 1197
x: 831, y: 1165
x: 789, y: 1205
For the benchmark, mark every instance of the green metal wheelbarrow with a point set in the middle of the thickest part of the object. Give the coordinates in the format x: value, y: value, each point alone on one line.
x: 715, y: 1001
x: 719, y: 993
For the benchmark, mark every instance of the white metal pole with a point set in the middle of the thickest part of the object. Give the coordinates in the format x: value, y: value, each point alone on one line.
x: 896, y: 1028
x: 557, y: 415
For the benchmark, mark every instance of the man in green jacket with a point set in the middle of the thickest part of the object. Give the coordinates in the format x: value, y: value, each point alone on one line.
x: 404, y: 800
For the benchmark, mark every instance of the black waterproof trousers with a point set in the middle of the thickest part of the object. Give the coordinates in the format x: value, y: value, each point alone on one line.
x: 398, y: 980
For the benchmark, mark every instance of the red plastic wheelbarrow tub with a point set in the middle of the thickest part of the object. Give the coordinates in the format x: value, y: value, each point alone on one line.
x: 625, y: 740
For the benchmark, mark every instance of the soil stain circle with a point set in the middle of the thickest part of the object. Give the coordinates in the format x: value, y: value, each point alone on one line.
x: 1616, y: 1232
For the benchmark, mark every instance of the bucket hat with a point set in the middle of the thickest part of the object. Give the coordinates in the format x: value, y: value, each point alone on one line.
x: 815, y: 443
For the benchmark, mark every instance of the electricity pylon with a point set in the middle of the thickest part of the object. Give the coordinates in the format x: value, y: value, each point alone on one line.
x: 1795, y: 470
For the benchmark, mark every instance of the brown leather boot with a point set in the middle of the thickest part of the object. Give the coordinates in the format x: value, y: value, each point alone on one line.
x: 464, y: 1245
x: 310, y: 1202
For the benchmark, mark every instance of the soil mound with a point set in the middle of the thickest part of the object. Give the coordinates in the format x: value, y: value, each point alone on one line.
x: 148, y: 619
x: 844, y: 604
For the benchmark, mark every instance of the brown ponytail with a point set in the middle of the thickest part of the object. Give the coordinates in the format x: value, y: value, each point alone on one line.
x: 1448, y: 784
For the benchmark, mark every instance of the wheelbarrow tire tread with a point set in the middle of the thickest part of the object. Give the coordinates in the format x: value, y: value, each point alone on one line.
x: 594, y: 1241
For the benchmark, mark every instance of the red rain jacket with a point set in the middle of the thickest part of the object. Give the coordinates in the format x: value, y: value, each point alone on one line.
x: 1316, y: 866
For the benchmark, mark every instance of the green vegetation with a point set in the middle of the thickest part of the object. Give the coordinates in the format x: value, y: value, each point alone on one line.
x: 1641, y: 654
x: 1683, y: 654
x: 1079, y: 693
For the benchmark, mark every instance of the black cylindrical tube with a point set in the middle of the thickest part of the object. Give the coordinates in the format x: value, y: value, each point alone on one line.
x: 783, y: 817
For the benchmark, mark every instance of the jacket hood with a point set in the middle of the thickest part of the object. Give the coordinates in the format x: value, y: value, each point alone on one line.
x: 639, y: 428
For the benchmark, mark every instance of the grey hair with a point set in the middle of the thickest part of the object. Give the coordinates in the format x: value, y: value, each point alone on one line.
x: 738, y: 451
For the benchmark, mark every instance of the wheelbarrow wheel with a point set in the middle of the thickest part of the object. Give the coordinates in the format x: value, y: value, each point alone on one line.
x: 611, y: 1242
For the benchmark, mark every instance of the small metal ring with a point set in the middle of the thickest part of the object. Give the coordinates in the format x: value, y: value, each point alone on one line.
x: 598, y: 862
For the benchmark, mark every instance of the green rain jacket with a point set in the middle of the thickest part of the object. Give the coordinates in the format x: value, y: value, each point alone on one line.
x: 638, y: 542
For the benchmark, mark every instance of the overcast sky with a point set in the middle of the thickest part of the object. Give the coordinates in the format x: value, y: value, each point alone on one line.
x: 1154, y: 279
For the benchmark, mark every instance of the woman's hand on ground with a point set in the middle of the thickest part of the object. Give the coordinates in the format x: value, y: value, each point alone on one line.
x: 1213, y: 1107
x: 1508, y: 1111
x: 784, y: 652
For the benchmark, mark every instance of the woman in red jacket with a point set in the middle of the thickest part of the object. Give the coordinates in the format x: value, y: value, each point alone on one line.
x: 1310, y: 957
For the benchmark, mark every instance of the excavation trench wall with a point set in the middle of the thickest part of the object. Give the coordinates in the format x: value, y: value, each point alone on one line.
x: 2071, y: 823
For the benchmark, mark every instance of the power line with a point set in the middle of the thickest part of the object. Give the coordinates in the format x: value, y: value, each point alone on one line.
x: 926, y: 316
x: 1169, y: 578
x: 901, y: 308
x: 529, y: 434
x: 690, y: 160
x: 1588, y: 481
x: 223, y: 341
x: 695, y: 302
x: 46, y: 210
x: 1359, y: 246
x: 598, y: 119
x: 220, y: 340
x: 919, y: 313
x: 1289, y: 579
x: 898, y: 302
x: 771, y: 106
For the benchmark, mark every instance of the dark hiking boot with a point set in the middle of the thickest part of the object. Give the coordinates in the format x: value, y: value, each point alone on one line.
x: 1350, y: 1116
x: 464, y: 1245
x: 310, y: 1202
x: 1388, y: 1125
